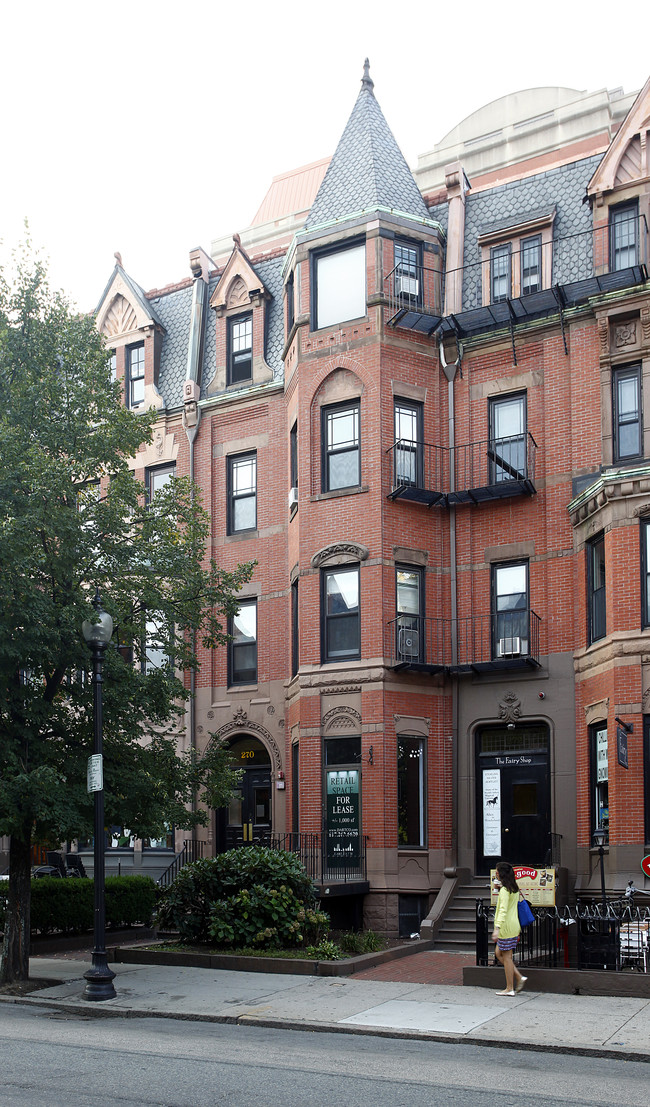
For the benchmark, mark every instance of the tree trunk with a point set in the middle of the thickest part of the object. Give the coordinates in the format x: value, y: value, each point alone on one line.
x: 15, y: 948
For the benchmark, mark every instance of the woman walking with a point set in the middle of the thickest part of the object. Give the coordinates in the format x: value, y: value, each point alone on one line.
x: 507, y: 929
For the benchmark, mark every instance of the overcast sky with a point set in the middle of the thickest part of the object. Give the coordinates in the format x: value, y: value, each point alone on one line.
x: 154, y: 127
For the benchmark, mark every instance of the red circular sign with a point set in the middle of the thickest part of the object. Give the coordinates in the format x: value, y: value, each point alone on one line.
x: 645, y: 865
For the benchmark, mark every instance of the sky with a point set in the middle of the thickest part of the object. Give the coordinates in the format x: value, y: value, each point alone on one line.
x: 151, y: 128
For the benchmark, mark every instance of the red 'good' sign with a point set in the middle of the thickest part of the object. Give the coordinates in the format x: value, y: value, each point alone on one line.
x: 645, y: 865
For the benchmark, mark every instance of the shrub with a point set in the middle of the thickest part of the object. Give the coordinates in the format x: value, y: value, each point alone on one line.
x: 324, y: 951
x: 67, y: 906
x: 235, y: 898
x: 365, y: 941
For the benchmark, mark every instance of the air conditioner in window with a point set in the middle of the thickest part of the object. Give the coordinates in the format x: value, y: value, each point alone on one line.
x: 406, y: 286
x: 293, y: 497
x: 511, y: 647
x: 408, y: 644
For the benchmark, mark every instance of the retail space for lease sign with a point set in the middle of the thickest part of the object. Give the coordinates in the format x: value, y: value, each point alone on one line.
x: 343, y: 819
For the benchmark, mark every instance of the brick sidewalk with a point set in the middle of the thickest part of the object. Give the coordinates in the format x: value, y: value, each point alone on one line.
x: 421, y: 968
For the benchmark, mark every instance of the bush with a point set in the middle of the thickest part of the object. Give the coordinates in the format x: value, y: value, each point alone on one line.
x: 365, y: 941
x: 67, y: 906
x: 250, y: 896
x: 324, y: 951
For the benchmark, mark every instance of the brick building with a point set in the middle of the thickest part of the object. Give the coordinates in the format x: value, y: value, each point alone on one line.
x: 417, y: 400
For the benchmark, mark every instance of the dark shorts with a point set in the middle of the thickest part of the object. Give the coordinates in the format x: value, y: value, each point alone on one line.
x: 507, y: 943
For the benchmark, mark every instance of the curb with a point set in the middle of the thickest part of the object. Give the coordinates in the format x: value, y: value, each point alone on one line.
x: 91, y: 1010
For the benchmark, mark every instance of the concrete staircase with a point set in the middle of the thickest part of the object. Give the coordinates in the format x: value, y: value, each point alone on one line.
x: 458, y: 931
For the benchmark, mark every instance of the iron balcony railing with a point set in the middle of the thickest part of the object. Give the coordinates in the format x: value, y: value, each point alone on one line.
x: 613, y: 937
x: 503, y: 640
x: 312, y: 850
x: 489, y: 470
x: 521, y: 284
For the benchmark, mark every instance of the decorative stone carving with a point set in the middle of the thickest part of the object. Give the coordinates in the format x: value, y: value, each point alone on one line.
x: 625, y: 334
x: 240, y: 720
x: 240, y: 717
x: 120, y: 318
x: 237, y: 294
x: 603, y: 337
x: 510, y: 708
x: 343, y: 718
x: 339, y: 551
x: 645, y: 323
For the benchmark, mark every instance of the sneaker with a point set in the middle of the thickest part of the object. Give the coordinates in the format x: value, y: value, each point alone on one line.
x: 505, y: 992
x: 520, y: 983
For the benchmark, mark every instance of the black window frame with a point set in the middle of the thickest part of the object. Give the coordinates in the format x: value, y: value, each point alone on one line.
x: 295, y: 629
x: 238, y: 675
x: 314, y: 258
x: 408, y: 624
x: 327, y: 452
x: 503, y: 465
x: 233, y: 497
x: 328, y: 619
x: 503, y: 250
x: 621, y: 373
x: 152, y: 472
x: 412, y: 451
x: 293, y: 456
x: 597, y: 822
x: 408, y: 267
x: 240, y: 362
x: 625, y: 214
x: 596, y: 596
x: 291, y: 303
x: 130, y: 378
x: 532, y: 242
x: 406, y: 817
x: 510, y: 622
x: 645, y: 571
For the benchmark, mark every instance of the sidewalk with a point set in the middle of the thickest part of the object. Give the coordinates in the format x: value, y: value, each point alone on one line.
x: 602, y: 1026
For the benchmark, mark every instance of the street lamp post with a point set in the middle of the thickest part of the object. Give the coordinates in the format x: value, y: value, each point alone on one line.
x: 599, y: 841
x: 99, y: 978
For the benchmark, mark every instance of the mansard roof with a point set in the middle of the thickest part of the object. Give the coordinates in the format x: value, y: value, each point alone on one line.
x: 368, y: 170
x: 627, y: 158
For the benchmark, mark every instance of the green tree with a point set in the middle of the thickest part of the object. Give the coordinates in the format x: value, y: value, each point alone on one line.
x: 72, y: 519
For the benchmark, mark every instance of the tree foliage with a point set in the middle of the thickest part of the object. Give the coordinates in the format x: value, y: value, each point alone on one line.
x: 73, y: 519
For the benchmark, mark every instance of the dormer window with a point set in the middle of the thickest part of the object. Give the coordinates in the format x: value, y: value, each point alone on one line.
x: 531, y: 265
x: 500, y: 281
x: 517, y: 256
x: 240, y: 349
x: 134, y: 385
x: 338, y: 285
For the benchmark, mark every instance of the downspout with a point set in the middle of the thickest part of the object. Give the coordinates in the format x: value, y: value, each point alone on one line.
x: 200, y: 264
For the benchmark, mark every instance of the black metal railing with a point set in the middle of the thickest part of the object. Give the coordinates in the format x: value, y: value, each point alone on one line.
x: 470, y: 473
x: 505, y: 640
x: 312, y: 850
x: 191, y: 851
x: 566, y: 270
x: 610, y: 938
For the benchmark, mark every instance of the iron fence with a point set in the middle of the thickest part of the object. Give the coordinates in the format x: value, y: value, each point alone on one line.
x: 507, y: 639
x: 591, y: 936
x: 312, y: 850
x: 192, y: 850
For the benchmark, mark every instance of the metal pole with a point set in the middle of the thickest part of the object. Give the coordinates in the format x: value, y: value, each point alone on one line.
x: 99, y: 978
x: 601, y: 854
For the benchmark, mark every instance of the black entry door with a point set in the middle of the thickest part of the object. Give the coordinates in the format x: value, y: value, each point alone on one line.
x: 513, y: 810
x: 247, y: 819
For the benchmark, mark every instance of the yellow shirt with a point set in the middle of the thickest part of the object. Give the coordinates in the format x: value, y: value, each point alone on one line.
x: 506, y: 917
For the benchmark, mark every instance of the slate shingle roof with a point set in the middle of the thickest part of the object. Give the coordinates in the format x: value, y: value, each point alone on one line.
x: 368, y: 170
x: 562, y: 188
x: 174, y: 312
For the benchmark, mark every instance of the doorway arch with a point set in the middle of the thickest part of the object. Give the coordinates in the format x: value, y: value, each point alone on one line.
x: 247, y: 819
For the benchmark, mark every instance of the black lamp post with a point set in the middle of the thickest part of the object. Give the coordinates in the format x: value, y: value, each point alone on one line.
x: 599, y: 841
x: 99, y: 978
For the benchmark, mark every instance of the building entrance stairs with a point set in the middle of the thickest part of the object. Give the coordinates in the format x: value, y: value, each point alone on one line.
x: 457, y: 933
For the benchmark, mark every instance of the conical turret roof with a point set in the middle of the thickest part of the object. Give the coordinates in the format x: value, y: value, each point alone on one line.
x: 368, y: 170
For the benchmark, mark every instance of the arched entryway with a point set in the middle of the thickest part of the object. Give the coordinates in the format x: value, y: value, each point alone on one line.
x: 247, y: 819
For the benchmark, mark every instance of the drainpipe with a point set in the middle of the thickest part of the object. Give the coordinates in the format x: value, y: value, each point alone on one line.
x: 200, y: 265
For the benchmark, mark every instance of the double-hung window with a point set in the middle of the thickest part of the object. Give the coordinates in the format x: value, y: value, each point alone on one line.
x: 507, y: 445
x: 410, y: 623
x: 240, y: 349
x: 242, y: 647
x: 531, y: 264
x: 242, y: 493
x: 409, y: 448
x: 627, y: 413
x: 596, y: 612
x: 407, y: 271
x: 623, y: 232
x: 341, y: 624
x: 645, y: 572
x: 410, y: 792
x: 510, y: 609
x: 155, y: 654
x: 341, y: 446
x: 338, y: 286
x: 135, y: 375
x: 295, y: 630
x: 157, y: 478
x: 500, y: 273
x: 291, y: 306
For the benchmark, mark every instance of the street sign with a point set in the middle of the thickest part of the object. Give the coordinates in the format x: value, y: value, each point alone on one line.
x: 645, y: 865
x: 621, y: 746
x: 95, y: 774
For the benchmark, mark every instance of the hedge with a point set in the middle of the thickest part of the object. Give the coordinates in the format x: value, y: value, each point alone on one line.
x: 67, y: 906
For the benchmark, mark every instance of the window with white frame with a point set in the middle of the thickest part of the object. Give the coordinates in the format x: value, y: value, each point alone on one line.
x: 135, y: 375
x: 626, y: 384
x: 242, y: 647
x: 242, y: 493
x: 339, y: 286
